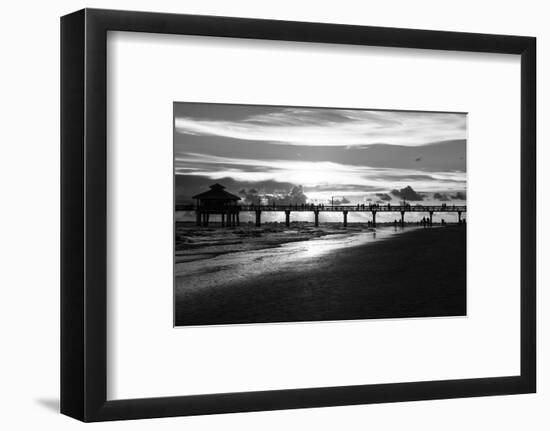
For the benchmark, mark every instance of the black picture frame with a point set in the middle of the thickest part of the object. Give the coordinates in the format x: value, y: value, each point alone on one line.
x: 84, y: 214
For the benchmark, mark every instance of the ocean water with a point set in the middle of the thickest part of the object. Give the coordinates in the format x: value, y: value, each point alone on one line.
x: 303, y: 255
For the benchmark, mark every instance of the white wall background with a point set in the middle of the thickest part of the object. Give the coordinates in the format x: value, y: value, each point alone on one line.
x: 29, y: 220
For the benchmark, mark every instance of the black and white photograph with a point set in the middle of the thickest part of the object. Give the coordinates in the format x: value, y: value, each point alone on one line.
x: 269, y: 216
x: 304, y: 214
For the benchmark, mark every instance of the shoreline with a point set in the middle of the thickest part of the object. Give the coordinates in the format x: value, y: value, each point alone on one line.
x: 194, y: 243
x: 199, y: 243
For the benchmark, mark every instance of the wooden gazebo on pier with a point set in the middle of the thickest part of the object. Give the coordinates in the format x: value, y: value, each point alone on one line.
x: 217, y: 201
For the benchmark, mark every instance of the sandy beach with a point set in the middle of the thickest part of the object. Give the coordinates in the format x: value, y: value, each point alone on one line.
x: 194, y: 243
x: 342, y: 274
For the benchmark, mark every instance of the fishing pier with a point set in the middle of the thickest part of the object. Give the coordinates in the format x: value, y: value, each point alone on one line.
x: 217, y: 201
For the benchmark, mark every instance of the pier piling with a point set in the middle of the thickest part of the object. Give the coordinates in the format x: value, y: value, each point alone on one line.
x: 228, y: 222
x: 258, y: 218
x: 230, y: 213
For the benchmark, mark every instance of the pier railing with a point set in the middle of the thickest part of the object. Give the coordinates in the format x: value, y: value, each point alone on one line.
x: 339, y: 208
x: 230, y: 214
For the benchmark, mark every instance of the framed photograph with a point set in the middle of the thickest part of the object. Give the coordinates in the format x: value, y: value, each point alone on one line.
x: 315, y: 196
x: 262, y: 215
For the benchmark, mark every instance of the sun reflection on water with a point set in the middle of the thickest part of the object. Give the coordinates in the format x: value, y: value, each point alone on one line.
x: 223, y: 269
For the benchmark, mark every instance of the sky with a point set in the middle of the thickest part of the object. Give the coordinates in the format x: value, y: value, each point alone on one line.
x: 317, y: 155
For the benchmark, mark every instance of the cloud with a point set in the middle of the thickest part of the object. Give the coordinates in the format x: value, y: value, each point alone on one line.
x: 330, y: 127
x: 342, y: 201
x: 441, y: 197
x: 294, y: 196
x: 408, y: 194
x: 384, y: 196
x: 190, y: 185
x: 250, y: 196
x: 437, y: 156
x: 328, y: 175
x: 461, y: 196
x: 444, y: 197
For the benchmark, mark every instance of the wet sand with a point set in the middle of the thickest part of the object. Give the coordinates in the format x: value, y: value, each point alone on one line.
x: 417, y: 273
x: 201, y: 243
